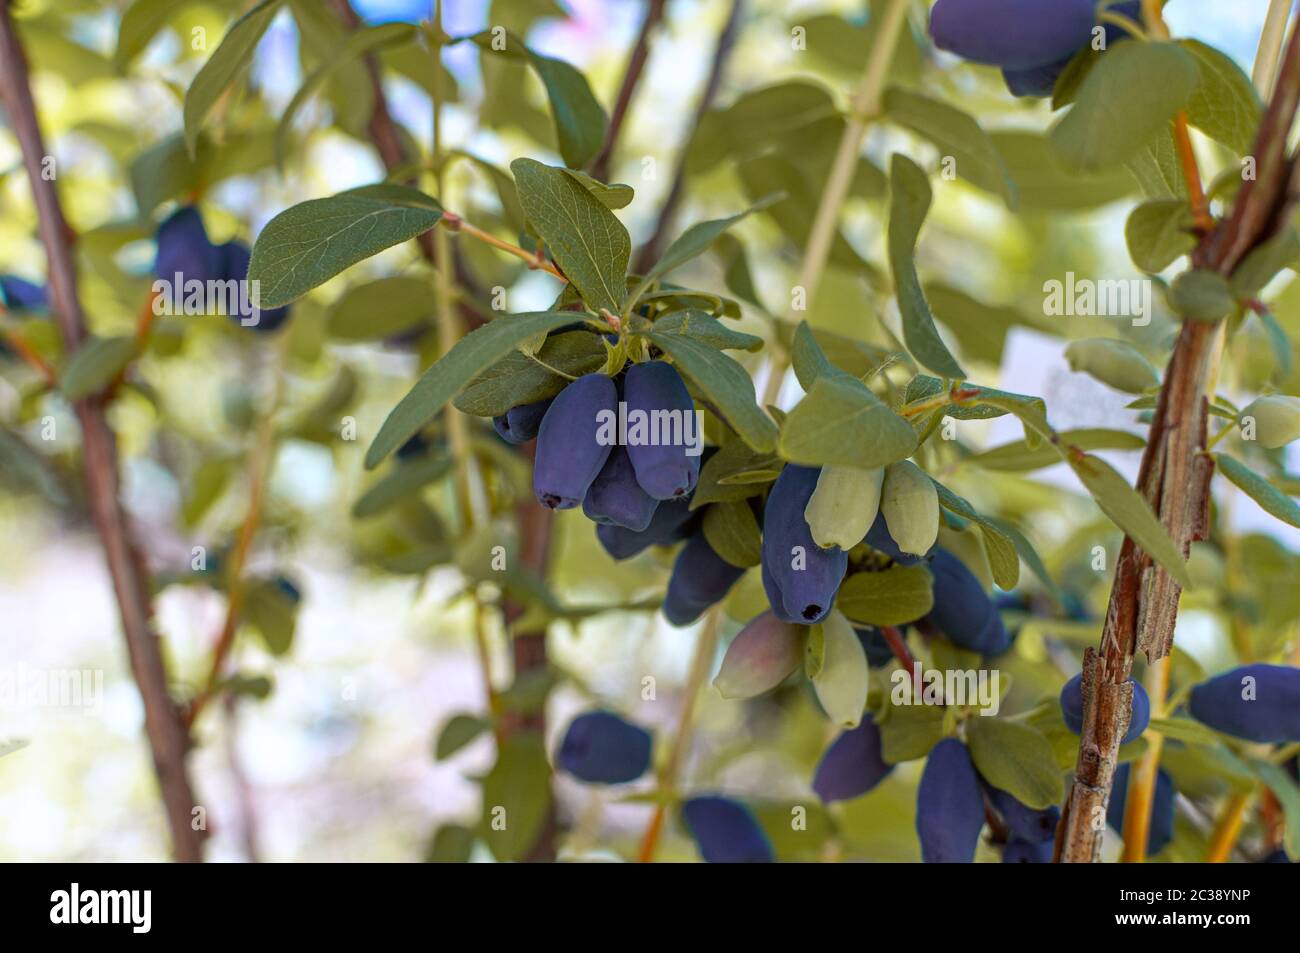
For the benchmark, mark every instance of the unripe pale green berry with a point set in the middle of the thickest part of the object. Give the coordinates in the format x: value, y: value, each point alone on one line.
x: 1273, y: 421
x: 911, y: 507
x: 1114, y: 363
x: 841, y: 682
x: 844, y: 505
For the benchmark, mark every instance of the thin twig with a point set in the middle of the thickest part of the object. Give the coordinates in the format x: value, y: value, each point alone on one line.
x: 654, y: 15
x: 168, y: 739
x: 701, y: 663
x: 259, y: 471
x: 1174, y: 477
x: 20, y: 346
x: 654, y: 247
x: 863, y: 110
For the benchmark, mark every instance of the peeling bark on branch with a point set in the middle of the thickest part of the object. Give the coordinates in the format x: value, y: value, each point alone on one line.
x: 1175, y: 478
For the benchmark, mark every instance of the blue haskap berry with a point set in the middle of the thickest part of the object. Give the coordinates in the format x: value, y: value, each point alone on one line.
x: 800, y: 577
x: 18, y: 295
x: 599, y: 747
x: 615, y: 497
x: 700, y: 579
x: 1019, y: 851
x: 962, y: 610
x: 1012, y: 33
x: 672, y: 521
x: 1255, y: 702
x: 725, y: 831
x: 949, y: 805
x: 873, y: 643
x: 233, y: 259
x: 520, y: 424
x: 852, y: 765
x: 184, y: 249
x: 664, y: 469
x: 1041, y: 80
x: 569, y: 453
x: 879, y: 538
x: 1161, y: 831
x: 288, y: 588
x: 1024, y: 822
x: 1072, y: 708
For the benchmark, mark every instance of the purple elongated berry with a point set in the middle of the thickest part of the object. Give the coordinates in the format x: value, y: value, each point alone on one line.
x: 801, y: 578
x: 878, y: 538
x: 1014, y: 33
x: 569, y: 454
x: 700, y: 579
x: 1041, y: 80
x: 1072, y: 708
x: 1018, y: 851
x: 184, y: 249
x: 1256, y: 702
x: 663, y: 467
x: 852, y: 765
x: 233, y: 259
x: 520, y: 424
x: 599, y: 747
x: 949, y: 805
x: 873, y: 643
x: 18, y: 294
x: 962, y: 610
x: 726, y: 831
x: 672, y: 521
x: 1161, y: 831
x: 615, y: 497
x: 1025, y: 823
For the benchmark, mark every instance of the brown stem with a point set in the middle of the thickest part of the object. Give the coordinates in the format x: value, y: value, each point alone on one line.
x: 1174, y: 477
x: 654, y: 247
x: 259, y: 471
x: 701, y: 664
x: 654, y: 14
x: 168, y: 739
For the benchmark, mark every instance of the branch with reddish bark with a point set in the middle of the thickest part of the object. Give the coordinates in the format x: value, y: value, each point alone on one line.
x: 168, y: 739
x: 654, y: 15
x: 653, y: 248
x: 1175, y: 478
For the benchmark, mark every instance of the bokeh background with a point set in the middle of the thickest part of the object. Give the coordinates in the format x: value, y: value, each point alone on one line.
x: 336, y: 763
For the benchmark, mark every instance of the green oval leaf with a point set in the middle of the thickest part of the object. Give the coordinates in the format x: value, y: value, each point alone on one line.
x: 1270, y: 499
x: 476, y: 351
x: 306, y: 245
x: 94, y: 366
x: 1129, y: 96
x: 893, y: 596
x: 841, y: 421
x: 722, y: 382
x: 234, y: 52
x: 1017, y: 759
x: 909, y: 203
x: 589, y: 244
x: 1126, y: 508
